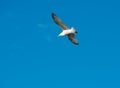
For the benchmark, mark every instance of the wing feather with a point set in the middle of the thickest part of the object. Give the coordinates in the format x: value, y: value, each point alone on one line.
x: 59, y: 22
x: 72, y: 38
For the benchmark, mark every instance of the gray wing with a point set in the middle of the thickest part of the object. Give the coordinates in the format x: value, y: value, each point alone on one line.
x: 59, y: 22
x: 72, y: 38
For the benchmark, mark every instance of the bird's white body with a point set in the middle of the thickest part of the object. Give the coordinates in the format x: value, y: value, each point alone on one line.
x: 68, y: 31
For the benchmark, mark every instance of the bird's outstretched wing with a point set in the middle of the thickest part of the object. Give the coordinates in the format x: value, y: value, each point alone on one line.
x: 59, y: 22
x: 72, y: 38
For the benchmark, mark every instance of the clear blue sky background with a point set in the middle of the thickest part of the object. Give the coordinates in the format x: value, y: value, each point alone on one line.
x: 32, y: 56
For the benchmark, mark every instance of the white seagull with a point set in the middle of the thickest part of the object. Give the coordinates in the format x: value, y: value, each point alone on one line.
x: 65, y: 30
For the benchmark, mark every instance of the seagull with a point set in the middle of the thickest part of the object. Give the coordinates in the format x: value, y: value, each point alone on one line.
x: 70, y: 32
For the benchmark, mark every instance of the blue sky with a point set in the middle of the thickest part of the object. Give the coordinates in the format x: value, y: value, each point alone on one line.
x: 32, y: 56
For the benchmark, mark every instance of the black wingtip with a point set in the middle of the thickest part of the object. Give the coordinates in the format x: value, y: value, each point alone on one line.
x: 53, y: 14
x: 76, y: 43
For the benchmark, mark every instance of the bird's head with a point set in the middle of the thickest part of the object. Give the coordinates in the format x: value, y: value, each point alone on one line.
x: 74, y: 30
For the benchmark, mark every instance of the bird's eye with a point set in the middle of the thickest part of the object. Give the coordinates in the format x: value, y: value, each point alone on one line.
x: 76, y: 32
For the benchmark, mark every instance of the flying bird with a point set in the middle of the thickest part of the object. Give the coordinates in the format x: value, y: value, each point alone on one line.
x: 70, y: 32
